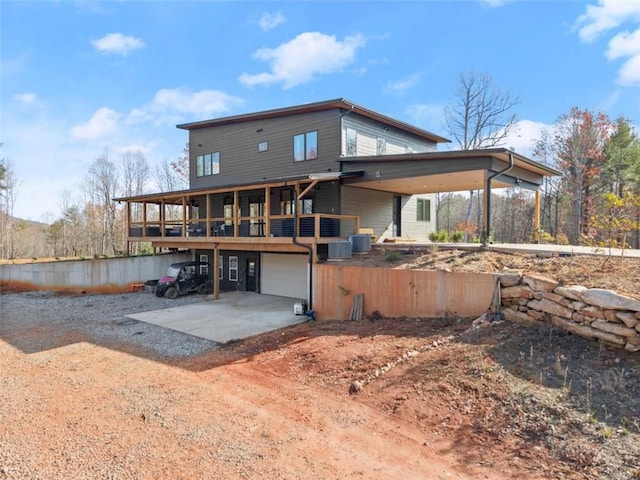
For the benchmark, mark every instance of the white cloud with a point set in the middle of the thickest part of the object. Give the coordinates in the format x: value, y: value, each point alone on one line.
x: 524, y: 135
x: 269, y: 21
x: 608, y: 14
x: 403, y: 84
x: 25, y: 97
x: 300, y: 60
x: 102, y: 124
x: 173, y: 105
x: 624, y: 44
x: 629, y: 74
x: 496, y: 3
x: 117, y: 43
x: 428, y: 116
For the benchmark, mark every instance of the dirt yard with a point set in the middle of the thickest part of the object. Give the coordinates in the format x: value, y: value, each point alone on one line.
x: 375, y: 399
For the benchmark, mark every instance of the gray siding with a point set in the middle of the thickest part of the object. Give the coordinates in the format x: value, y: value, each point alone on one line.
x: 240, y: 161
x: 368, y: 132
x: 374, y: 208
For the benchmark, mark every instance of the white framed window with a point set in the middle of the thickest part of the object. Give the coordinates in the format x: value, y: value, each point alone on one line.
x: 233, y: 269
x: 352, y: 142
x: 423, y: 210
x: 381, y: 146
x: 221, y: 268
x: 204, y: 269
x: 263, y: 146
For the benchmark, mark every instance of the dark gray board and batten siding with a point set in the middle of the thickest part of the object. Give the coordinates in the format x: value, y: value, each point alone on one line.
x: 240, y: 161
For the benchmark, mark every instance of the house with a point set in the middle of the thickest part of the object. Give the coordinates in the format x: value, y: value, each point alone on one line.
x: 272, y: 192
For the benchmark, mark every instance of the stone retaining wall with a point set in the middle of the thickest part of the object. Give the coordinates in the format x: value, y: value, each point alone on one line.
x: 590, y: 312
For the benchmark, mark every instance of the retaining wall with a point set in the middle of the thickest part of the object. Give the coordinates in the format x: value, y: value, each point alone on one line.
x: 109, y: 275
x: 399, y: 292
x: 589, y: 312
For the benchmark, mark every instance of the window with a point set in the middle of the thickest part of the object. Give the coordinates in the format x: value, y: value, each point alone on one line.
x: 352, y: 143
x: 208, y: 164
x: 305, y: 146
x: 381, y: 146
x: 423, y: 210
x: 233, y: 269
x: 263, y: 146
x: 221, y: 268
x: 204, y: 269
x: 408, y: 149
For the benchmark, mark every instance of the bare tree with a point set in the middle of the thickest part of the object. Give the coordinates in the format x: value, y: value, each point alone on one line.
x: 479, y: 116
x: 9, y: 189
x: 101, y: 187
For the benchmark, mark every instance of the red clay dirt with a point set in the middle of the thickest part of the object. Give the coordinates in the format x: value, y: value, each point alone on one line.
x: 376, y: 399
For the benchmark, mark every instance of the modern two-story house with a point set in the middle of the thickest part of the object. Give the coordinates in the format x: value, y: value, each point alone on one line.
x: 270, y: 191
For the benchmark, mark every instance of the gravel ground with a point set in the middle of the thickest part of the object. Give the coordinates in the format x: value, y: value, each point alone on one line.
x: 99, y: 319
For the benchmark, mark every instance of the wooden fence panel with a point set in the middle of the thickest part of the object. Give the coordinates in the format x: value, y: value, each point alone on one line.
x: 400, y: 292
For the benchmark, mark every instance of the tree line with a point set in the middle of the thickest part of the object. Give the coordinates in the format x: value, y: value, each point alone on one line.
x: 91, y: 224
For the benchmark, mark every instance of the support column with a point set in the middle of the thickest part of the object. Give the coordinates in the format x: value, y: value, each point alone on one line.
x: 536, y: 217
x: 267, y: 212
x: 486, y: 209
x: 216, y: 270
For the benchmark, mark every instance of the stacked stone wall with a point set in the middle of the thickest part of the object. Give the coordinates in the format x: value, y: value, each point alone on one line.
x: 593, y: 313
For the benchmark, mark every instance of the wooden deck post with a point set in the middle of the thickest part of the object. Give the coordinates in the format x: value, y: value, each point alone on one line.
x: 536, y: 218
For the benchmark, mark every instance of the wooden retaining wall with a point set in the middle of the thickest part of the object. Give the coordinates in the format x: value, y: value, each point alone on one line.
x: 400, y: 292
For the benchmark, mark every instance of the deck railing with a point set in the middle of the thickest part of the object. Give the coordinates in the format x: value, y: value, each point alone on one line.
x: 316, y: 225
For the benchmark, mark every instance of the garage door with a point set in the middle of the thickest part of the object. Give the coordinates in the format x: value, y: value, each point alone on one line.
x: 284, y: 275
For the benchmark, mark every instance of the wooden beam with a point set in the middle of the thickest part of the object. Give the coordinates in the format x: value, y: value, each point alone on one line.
x: 536, y: 217
x: 485, y: 206
x: 302, y: 194
x: 267, y: 212
x: 235, y: 213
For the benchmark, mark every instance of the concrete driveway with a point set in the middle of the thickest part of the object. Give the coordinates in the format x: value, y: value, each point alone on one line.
x: 235, y: 315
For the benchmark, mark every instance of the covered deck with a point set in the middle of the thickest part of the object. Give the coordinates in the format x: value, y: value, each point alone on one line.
x: 277, y: 216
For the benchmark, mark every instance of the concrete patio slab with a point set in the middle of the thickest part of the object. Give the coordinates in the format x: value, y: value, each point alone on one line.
x: 235, y: 315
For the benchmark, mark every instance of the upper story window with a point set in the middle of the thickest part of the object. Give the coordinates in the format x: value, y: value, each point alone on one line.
x: 305, y: 146
x: 263, y: 146
x: 381, y: 146
x: 352, y: 142
x: 208, y: 164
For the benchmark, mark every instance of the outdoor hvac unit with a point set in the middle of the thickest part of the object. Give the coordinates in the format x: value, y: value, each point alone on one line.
x: 300, y: 308
x: 340, y: 249
x: 360, y: 242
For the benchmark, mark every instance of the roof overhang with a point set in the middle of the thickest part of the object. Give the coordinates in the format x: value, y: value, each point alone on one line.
x: 451, y: 171
x: 177, y: 196
x: 339, y: 103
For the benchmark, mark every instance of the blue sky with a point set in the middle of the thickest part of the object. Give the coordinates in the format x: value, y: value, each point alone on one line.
x: 81, y: 76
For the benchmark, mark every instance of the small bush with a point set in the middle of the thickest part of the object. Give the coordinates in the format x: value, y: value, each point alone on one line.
x: 561, y: 239
x: 393, y: 256
x: 457, y: 236
x: 433, y: 236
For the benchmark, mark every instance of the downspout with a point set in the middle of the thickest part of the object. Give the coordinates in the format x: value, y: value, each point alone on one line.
x: 487, y: 232
x: 306, y: 247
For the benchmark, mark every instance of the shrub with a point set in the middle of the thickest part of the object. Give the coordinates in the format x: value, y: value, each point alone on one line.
x: 457, y: 236
x: 433, y: 236
x: 393, y: 256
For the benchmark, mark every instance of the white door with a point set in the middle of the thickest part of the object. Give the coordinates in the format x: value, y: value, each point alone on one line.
x: 284, y: 275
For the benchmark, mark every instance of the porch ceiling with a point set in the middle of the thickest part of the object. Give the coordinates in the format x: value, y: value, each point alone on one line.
x: 436, y: 183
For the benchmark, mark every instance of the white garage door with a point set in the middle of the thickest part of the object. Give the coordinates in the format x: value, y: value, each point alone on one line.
x: 284, y: 275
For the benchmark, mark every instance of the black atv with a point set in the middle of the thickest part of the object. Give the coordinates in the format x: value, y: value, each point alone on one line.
x: 185, y: 277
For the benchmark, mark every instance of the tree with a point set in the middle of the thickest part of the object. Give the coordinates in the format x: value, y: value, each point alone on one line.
x: 578, y: 144
x: 479, y: 116
x: 621, y: 160
x: 101, y: 186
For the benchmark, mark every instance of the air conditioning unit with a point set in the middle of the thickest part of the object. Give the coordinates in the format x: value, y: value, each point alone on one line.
x: 340, y: 249
x: 360, y: 242
x: 300, y: 308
